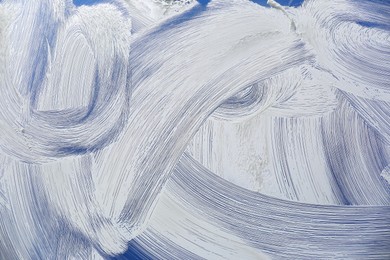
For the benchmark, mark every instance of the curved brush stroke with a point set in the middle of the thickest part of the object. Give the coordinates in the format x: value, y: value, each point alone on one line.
x: 45, y: 118
x: 117, y: 118
x: 200, y: 204
x: 281, y: 229
x: 161, y: 126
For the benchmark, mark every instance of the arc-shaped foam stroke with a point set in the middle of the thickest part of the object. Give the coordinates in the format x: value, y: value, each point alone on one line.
x: 355, y: 48
x: 281, y: 229
x: 172, y: 97
x: 42, y: 120
x: 258, y: 221
x: 315, y: 159
x: 36, y: 128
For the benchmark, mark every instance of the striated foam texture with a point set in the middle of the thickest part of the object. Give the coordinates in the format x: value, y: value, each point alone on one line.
x: 194, y: 130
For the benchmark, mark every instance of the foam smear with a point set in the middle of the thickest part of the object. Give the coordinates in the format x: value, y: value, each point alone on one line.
x: 183, y: 131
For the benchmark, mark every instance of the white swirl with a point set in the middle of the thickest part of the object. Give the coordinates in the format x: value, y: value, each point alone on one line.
x: 191, y: 131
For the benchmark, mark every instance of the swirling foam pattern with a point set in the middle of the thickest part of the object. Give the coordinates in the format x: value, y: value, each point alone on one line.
x: 194, y: 130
